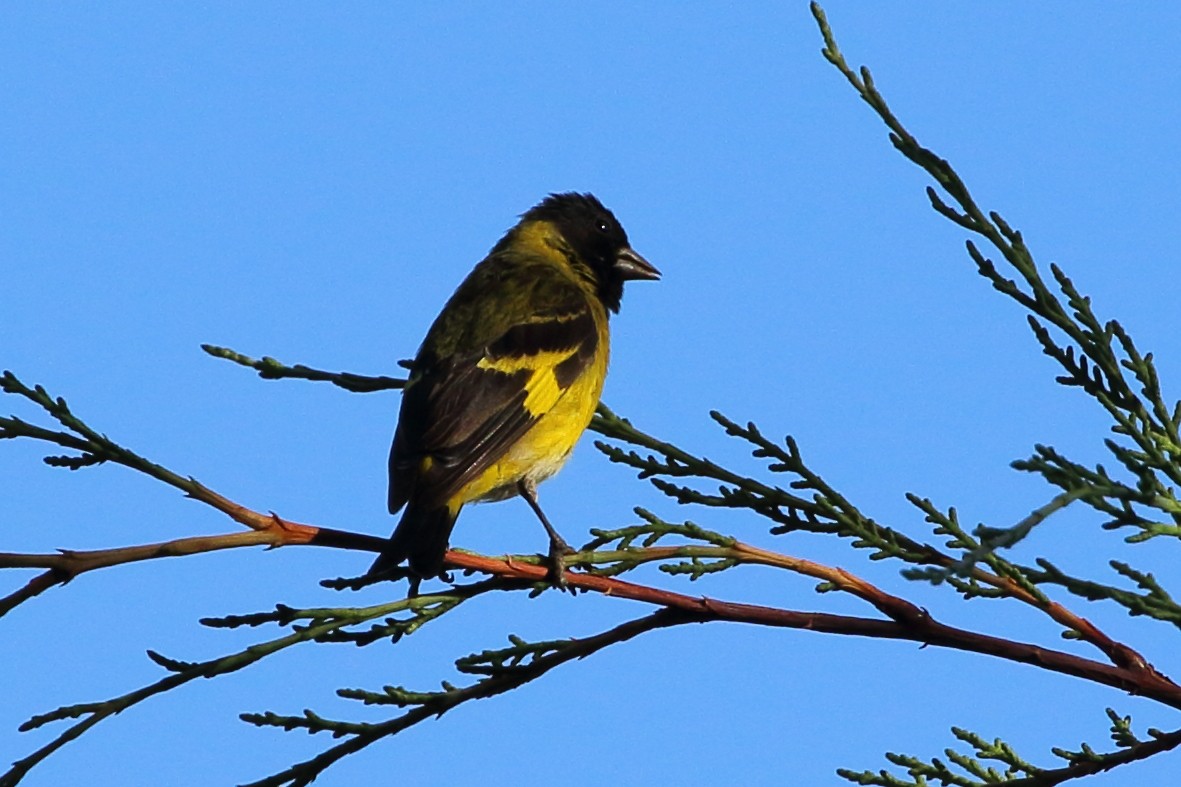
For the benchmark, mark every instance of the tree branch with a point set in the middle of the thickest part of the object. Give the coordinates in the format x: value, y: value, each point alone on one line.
x: 1089, y: 767
x: 436, y: 704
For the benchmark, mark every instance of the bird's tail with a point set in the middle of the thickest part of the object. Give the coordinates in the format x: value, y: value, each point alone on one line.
x: 421, y: 537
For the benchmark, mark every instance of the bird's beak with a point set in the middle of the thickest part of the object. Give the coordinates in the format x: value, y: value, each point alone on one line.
x: 630, y: 265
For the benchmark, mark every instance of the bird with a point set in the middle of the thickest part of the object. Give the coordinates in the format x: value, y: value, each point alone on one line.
x: 507, y: 378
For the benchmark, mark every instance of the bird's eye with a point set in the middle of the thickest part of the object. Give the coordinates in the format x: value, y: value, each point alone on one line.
x: 602, y: 227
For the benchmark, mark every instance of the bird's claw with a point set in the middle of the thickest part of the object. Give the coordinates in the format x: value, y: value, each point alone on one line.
x: 556, y: 564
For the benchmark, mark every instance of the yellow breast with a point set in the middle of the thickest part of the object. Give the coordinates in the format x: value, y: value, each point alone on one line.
x: 543, y: 449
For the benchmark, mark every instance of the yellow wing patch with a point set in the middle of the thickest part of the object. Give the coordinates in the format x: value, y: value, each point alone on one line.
x: 542, y: 389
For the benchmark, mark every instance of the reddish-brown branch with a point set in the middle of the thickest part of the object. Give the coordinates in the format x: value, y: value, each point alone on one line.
x: 70, y: 563
x: 898, y: 609
x: 293, y: 532
x: 266, y: 530
x: 34, y: 587
x: 903, y: 611
x: 907, y: 621
x: 66, y: 564
x: 1120, y: 654
x: 1078, y: 770
x: 270, y: 530
x: 920, y: 628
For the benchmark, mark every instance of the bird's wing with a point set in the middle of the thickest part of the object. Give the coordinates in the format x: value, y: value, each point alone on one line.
x: 464, y: 411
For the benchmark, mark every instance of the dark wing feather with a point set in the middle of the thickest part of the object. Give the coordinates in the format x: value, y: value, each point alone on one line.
x: 464, y: 417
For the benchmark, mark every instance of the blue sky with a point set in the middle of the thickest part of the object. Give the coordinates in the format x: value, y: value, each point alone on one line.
x: 311, y: 182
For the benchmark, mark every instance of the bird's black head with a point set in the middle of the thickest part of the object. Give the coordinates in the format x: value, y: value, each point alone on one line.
x: 598, y: 241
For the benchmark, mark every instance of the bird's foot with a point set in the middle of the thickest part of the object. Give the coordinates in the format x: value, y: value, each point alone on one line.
x: 556, y: 564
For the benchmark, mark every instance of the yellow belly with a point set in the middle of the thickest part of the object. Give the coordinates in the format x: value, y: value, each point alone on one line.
x: 543, y: 450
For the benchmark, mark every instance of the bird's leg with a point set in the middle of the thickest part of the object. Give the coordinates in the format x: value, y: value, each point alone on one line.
x: 558, y: 548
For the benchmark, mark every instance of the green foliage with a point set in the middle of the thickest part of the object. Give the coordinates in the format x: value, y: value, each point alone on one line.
x: 270, y: 369
x: 971, y: 773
